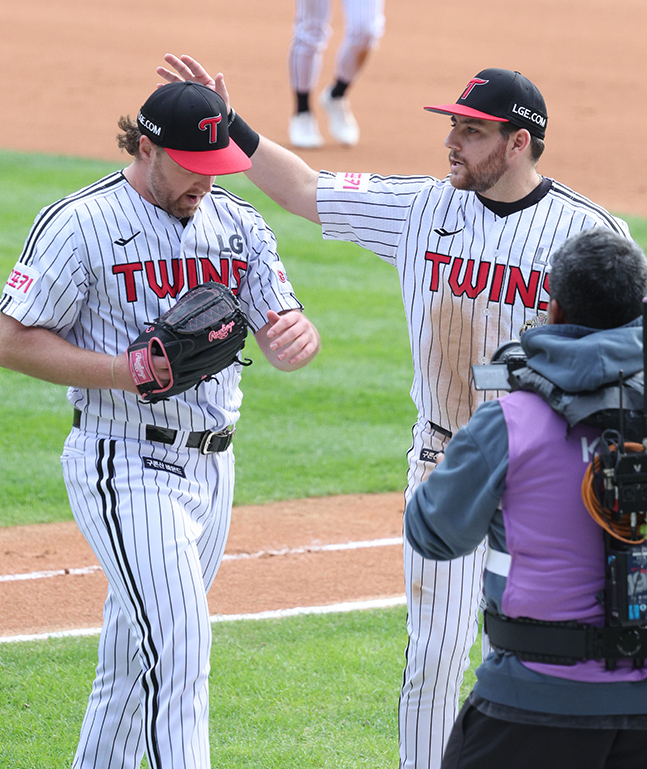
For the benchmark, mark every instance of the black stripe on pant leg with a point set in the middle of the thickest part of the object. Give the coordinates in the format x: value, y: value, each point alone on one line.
x: 111, y: 519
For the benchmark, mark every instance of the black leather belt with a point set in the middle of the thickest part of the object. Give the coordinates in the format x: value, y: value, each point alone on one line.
x: 207, y: 441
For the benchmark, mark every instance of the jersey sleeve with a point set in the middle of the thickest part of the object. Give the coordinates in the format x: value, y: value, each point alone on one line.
x: 266, y: 285
x: 49, y: 281
x: 367, y: 209
x: 451, y: 512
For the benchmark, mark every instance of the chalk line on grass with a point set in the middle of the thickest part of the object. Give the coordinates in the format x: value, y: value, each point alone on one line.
x: 348, y: 606
x: 387, y: 542
x: 298, y: 611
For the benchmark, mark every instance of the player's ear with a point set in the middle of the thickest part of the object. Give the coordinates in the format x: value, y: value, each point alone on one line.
x: 520, y: 141
x: 146, y: 148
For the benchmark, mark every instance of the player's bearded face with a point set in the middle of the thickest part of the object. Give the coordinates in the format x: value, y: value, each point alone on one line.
x: 478, y: 175
x: 178, y: 191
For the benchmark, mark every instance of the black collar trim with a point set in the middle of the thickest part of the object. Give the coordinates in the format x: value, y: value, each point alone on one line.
x: 505, y: 209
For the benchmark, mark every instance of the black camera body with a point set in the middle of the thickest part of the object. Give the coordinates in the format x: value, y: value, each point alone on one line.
x: 496, y: 375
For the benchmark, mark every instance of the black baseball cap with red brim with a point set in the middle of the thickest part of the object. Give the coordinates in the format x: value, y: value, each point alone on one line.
x: 504, y: 96
x: 189, y: 121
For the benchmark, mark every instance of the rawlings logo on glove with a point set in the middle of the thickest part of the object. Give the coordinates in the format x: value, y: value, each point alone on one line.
x: 223, y: 333
x: 198, y: 337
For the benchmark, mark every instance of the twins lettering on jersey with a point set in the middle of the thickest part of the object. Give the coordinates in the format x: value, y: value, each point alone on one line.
x: 189, y: 272
x: 500, y: 282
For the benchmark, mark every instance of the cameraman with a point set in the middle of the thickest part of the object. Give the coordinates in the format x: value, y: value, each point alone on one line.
x: 514, y: 472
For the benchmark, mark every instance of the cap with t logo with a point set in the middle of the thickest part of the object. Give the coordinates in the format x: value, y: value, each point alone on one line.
x: 503, y: 96
x: 189, y: 121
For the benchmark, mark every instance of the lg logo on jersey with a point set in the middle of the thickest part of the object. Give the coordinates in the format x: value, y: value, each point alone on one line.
x: 501, y: 282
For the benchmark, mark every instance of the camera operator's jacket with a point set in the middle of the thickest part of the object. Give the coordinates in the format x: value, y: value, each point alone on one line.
x: 514, y: 473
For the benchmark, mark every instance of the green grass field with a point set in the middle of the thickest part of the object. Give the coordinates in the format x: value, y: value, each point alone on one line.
x: 314, y: 692
x: 300, y: 692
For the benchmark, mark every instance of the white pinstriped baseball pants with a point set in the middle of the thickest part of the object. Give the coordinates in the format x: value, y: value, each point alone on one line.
x: 157, y: 518
x: 363, y: 28
x: 442, y: 623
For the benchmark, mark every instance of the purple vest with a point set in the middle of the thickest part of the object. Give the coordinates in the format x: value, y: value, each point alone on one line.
x: 556, y: 548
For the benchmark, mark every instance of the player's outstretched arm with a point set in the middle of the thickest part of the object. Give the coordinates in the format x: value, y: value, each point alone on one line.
x: 289, y: 340
x: 278, y: 172
x: 286, y: 178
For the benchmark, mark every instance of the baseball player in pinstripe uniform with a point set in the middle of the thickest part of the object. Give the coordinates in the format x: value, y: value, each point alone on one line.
x: 363, y: 29
x: 472, y: 251
x: 150, y: 485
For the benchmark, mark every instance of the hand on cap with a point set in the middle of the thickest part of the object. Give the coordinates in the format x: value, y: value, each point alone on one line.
x: 187, y: 68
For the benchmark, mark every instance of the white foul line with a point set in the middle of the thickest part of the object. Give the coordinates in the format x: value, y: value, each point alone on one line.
x: 378, y: 603
x: 301, y: 611
x: 227, y: 557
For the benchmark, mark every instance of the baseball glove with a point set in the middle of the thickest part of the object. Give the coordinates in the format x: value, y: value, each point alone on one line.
x: 200, y: 336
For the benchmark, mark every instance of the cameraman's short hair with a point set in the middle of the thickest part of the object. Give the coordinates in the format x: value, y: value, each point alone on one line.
x: 599, y: 278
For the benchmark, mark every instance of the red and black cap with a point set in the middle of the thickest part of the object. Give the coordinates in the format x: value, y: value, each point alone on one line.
x: 503, y: 96
x: 189, y: 121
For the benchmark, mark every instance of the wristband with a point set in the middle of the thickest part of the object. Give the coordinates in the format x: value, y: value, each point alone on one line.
x: 242, y: 134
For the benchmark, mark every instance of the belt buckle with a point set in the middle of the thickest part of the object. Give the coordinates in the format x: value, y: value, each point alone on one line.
x: 209, y: 435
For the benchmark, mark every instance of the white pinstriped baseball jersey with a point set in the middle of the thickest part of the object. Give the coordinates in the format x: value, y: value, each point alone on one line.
x: 101, y: 263
x: 96, y: 267
x: 472, y: 271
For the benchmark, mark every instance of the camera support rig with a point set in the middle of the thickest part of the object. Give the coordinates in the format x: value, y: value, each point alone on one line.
x: 614, y: 491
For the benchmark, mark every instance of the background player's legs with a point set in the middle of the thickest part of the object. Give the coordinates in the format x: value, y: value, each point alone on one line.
x: 310, y: 34
x: 149, y: 544
x: 363, y: 29
x: 442, y: 624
